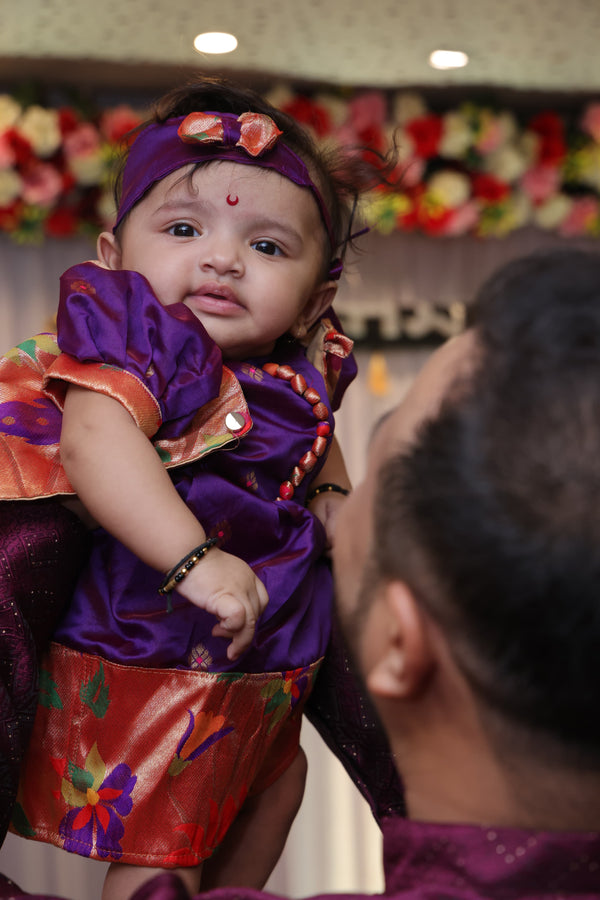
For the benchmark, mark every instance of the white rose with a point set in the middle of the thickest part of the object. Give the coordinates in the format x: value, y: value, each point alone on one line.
x: 10, y: 111
x: 457, y: 136
x: 508, y: 125
x: 279, y: 96
x: 591, y: 166
x: 507, y: 163
x: 528, y: 144
x: 521, y: 209
x: 10, y: 186
x: 40, y: 127
x: 408, y: 106
x: 405, y: 146
x: 87, y: 169
x: 106, y: 208
x: 335, y: 106
x: 555, y: 210
x: 451, y: 189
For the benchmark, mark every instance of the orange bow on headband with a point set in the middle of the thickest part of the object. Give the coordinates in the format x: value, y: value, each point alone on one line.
x: 257, y: 132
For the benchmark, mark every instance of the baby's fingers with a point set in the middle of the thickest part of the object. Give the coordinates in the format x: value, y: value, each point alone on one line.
x: 261, y: 596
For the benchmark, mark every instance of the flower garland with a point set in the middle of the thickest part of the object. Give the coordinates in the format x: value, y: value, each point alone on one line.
x: 56, y: 169
x: 473, y: 169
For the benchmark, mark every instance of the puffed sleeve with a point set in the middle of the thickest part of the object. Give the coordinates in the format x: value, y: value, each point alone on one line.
x: 115, y: 337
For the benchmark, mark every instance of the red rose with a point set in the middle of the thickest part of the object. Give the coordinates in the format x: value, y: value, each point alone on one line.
x: 10, y: 216
x: 549, y: 128
x: 426, y: 133
x: 61, y: 222
x: 307, y: 112
x: 20, y: 146
x: 67, y: 120
x: 489, y: 188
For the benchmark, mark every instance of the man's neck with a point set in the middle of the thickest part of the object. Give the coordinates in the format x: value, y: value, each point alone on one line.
x: 454, y: 772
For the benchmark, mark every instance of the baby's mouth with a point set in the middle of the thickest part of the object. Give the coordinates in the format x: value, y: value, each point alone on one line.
x: 214, y: 297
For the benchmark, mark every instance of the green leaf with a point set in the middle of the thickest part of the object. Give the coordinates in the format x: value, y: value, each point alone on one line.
x: 49, y: 697
x: 95, y: 693
x: 28, y: 347
x: 80, y: 779
x: 21, y: 823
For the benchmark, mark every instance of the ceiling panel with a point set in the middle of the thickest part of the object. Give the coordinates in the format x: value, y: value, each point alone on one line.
x: 524, y: 44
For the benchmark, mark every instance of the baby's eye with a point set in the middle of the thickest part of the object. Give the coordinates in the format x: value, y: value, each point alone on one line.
x: 183, y: 229
x: 268, y: 247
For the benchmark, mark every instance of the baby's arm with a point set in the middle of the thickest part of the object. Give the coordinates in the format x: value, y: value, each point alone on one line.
x: 326, y: 505
x: 119, y: 477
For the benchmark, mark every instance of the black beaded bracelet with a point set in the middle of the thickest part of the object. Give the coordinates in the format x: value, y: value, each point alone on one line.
x: 184, y: 566
x: 326, y: 488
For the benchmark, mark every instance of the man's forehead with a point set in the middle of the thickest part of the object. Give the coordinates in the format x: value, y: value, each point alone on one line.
x: 398, y: 428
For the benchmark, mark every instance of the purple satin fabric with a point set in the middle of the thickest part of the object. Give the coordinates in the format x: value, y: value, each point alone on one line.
x: 100, y: 318
x: 42, y: 549
x: 116, y: 610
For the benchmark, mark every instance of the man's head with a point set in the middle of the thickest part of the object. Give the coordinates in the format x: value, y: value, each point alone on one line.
x: 482, y: 505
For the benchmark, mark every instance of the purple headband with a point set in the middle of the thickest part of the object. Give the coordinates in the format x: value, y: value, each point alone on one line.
x: 251, y: 139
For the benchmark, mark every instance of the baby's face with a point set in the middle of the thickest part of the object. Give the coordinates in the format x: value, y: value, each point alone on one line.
x: 240, y: 246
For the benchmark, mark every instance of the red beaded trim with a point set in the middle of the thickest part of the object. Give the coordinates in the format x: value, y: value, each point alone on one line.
x: 320, y: 411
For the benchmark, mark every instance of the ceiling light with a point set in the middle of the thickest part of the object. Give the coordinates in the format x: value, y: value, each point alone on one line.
x: 215, y: 42
x: 448, y: 59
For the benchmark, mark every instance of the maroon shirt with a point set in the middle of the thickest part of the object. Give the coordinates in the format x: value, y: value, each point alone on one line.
x: 425, y: 861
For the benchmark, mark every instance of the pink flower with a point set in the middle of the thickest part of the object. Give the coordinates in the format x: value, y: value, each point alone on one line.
x: 491, y: 136
x: 590, y: 122
x: 368, y: 111
x: 582, y: 219
x: 42, y: 184
x: 83, y: 140
x: 409, y: 172
x: 463, y: 219
x: 118, y: 122
x: 540, y: 182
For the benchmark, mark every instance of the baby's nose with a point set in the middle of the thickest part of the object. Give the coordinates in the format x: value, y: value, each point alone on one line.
x: 222, y: 256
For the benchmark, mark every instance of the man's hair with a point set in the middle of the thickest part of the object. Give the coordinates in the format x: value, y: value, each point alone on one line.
x: 493, y: 515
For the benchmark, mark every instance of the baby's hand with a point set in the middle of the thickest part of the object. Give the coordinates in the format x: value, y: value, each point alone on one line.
x: 226, y: 586
x: 325, y: 507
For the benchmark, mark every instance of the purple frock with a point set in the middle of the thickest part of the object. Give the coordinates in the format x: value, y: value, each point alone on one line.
x: 116, y: 611
x: 145, y: 717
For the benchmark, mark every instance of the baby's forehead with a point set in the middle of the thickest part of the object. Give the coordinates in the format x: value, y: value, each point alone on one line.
x: 224, y: 183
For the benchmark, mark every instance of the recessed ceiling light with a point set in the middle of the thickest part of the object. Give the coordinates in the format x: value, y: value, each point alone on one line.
x: 215, y: 42
x: 448, y: 59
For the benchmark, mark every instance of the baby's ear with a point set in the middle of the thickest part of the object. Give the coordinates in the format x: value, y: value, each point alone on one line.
x: 109, y: 250
x: 319, y: 301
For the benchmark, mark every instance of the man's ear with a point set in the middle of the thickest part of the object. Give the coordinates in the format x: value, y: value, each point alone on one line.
x: 406, y: 658
x: 320, y: 300
x: 108, y: 250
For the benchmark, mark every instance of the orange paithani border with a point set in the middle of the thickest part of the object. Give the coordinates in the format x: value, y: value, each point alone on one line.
x: 150, y: 766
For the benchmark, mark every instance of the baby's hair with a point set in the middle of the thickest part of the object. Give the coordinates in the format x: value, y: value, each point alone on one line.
x: 342, y: 176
